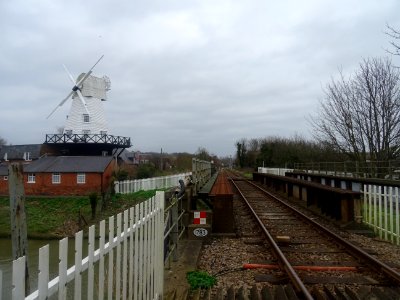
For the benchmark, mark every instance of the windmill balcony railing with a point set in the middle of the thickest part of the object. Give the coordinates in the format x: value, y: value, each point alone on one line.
x: 88, y: 138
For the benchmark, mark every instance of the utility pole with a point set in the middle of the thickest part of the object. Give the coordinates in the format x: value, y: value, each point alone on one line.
x: 19, y: 234
x: 161, y: 162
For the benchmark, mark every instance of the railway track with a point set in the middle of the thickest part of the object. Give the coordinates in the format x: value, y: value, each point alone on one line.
x: 311, y: 261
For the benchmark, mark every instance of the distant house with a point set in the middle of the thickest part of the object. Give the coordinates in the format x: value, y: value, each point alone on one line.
x: 23, y: 153
x: 134, y: 158
x: 12, y: 154
x: 67, y: 175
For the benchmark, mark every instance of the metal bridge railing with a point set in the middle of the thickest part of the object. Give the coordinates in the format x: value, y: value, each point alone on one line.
x: 368, y: 169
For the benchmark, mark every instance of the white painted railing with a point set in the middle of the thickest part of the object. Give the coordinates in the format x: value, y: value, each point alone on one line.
x: 274, y: 171
x: 381, y: 211
x: 134, y: 256
x: 164, y: 182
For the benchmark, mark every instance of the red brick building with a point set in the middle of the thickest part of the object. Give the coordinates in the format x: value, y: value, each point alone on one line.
x: 65, y: 175
x: 3, y: 178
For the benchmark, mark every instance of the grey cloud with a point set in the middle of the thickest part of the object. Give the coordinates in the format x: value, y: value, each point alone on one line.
x: 184, y: 73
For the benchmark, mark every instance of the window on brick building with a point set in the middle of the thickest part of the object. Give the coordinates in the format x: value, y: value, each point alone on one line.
x: 31, y: 178
x: 81, y: 178
x: 56, y: 178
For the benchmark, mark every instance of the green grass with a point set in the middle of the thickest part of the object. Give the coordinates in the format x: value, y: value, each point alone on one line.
x: 248, y: 175
x: 200, y: 280
x: 56, y: 217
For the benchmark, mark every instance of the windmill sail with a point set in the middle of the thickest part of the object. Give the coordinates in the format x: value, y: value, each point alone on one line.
x: 76, y: 88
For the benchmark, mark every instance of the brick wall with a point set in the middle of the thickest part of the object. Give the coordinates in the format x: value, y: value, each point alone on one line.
x: 107, y: 176
x: 95, y: 182
x: 68, y: 186
x: 3, y: 186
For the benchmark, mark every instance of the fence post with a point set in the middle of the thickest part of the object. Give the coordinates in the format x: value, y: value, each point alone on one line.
x: 18, y: 217
x: 175, y: 230
x: 1, y: 282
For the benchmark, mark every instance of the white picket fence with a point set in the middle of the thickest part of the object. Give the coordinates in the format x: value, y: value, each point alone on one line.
x: 134, y: 257
x: 381, y: 211
x: 164, y: 182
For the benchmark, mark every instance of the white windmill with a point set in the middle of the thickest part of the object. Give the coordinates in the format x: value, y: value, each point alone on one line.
x: 86, y: 115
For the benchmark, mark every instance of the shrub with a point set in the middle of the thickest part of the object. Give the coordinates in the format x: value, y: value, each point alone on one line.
x: 200, y: 279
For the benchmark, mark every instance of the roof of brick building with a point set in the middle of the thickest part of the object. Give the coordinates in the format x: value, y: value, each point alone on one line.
x: 69, y: 164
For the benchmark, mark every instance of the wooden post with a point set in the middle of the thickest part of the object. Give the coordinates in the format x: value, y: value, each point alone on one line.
x: 175, y: 231
x: 18, y: 217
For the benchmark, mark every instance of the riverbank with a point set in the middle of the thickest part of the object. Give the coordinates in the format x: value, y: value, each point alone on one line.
x: 54, y: 218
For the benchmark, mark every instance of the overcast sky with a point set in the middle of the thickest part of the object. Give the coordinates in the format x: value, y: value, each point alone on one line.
x: 184, y: 74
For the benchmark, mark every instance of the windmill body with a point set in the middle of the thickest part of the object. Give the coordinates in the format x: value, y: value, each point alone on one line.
x: 88, y: 116
x: 86, y: 130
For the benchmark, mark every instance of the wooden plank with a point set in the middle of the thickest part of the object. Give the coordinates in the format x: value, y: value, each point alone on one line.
x: 78, y: 266
x: 43, y: 272
x: 231, y: 293
x: 118, y: 259
x: 325, y: 279
x: 319, y: 263
x: 397, y: 213
x: 125, y: 255
x: 159, y: 282
x: 18, y: 278
x: 131, y: 257
x: 290, y: 293
x: 388, y: 292
x: 145, y: 250
x: 151, y: 250
x: 110, y: 258
x: 91, y: 248
x: 266, y: 293
x: 101, y: 259
x: 136, y: 255
x: 254, y: 293
x: 271, y: 278
x: 1, y: 283
x: 314, y: 250
x: 140, y: 255
x: 62, y: 269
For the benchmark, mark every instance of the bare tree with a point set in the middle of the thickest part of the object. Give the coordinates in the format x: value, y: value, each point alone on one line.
x: 395, y: 35
x: 253, y: 150
x: 2, y: 141
x: 203, y: 154
x: 360, y: 116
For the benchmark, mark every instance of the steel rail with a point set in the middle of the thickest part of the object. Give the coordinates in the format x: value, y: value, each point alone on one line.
x: 354, y: 250
x: 282, y: 260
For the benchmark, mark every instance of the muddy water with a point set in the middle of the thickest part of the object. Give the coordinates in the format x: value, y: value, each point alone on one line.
x: 33, y: 257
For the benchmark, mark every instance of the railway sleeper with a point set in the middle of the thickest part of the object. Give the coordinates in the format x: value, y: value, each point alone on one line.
x: 286, y: 292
